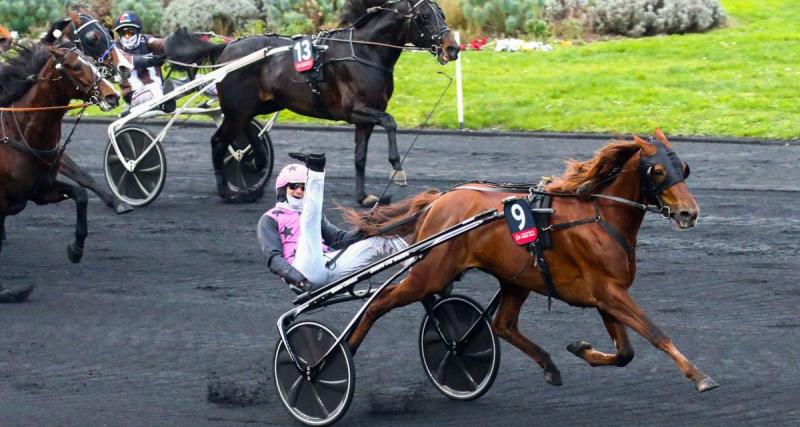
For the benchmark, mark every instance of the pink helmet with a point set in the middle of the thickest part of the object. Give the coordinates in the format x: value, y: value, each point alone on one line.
x: 291, y: 173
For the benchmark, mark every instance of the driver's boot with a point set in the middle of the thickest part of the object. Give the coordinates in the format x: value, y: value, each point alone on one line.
x: 314, y: 161
x: 170, y: 105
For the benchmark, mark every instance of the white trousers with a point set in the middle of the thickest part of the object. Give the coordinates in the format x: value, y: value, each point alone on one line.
x: 309, y: 258
x: 145, y: 92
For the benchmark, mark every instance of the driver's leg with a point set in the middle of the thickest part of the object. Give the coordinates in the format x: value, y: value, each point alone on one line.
x: 309, y: 259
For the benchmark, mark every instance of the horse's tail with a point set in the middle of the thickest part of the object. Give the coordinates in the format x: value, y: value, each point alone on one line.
x: 183, y: 47
x: 398, y: 219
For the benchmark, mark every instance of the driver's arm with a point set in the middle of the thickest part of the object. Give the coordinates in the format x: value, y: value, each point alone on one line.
x: 270, y: 241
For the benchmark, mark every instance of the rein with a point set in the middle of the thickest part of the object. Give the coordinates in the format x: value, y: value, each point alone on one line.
x: 37, y: 109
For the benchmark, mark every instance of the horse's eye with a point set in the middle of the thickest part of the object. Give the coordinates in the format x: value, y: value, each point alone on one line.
x: 654, y: 174
x: 685, y: 168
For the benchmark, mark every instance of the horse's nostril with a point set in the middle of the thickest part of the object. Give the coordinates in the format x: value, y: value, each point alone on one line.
x: 112, y: 99
x: 452, y: 52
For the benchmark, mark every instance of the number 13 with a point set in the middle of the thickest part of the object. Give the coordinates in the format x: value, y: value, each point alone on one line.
x: 303, y: 50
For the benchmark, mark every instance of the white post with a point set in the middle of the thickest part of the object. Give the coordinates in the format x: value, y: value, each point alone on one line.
x: 459, y: 90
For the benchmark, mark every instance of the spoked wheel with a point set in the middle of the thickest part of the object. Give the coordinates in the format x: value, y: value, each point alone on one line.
x: 143, y: 185
x: 461, y: 369
x: 324, y: 398
x: 248, y: 163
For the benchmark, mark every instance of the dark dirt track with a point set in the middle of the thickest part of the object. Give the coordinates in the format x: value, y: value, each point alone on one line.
x: 171, y: 304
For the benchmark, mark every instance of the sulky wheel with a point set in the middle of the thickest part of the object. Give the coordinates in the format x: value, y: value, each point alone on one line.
x: 460, y: 368
x: 248, y: 162
x: 145, y: 182
x: 322, y: 397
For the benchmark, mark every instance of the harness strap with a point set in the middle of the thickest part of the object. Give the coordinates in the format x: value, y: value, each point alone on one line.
x: 35, y: 152
x: 544, y: 269
x: 616, y: 235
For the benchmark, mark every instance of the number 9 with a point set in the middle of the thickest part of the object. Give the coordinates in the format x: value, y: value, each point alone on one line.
x: 518, y: 214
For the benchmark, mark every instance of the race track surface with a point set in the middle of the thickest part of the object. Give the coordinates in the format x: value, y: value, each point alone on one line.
x: 170, y: 318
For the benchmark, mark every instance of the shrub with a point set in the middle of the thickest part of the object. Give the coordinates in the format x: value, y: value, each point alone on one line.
x: 501, y: 17
x: 558, y: 10
x: 223, y: 17
x: 299, y: 16
x: 636, y: 18
x: 151, y: 12
x: 29, y: 15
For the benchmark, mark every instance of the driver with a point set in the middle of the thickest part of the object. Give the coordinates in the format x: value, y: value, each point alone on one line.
x: 147, y: 55
x: 300, y: 244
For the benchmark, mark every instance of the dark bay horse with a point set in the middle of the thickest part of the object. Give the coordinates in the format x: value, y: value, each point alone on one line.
x: 82, y: 31
x: 36, y: 86
x: 355, y: 76
x: 590, y: 267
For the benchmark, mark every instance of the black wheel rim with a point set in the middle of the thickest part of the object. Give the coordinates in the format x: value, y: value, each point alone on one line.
x: 147, y: 177
x: 326, y: 396
x: 467, y: 372
x: 250, y: 167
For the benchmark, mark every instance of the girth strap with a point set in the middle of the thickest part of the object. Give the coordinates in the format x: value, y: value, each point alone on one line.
x: 616, y: 236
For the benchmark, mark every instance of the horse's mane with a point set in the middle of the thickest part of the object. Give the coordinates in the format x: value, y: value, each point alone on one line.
x: 585, y: 176
x: 186, y: 47
x: 354, y: 10
x: 16, y: 67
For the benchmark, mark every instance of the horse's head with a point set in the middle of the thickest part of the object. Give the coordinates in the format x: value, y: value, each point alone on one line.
x: 83, y: 31
x: 663, y: 177
x: 83, y: 79
x: 429, y: 30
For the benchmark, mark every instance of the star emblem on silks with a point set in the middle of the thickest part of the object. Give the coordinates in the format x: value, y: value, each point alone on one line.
x: 292, y: 168
x: 278, y: 212
x: 287, y: 231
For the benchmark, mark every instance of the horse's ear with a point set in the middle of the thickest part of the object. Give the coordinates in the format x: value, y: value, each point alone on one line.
x: 58, y: 53
x: 661, y: 137
x: 76, y: 19
x: 585, y: 189
x: 647, y: 149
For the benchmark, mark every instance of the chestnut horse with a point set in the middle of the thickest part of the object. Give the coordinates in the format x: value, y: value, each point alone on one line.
x: 35, y: 87
x: 83, y: 31
x: 592, y: 264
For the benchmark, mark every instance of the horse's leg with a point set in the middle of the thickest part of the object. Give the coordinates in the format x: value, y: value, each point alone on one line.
x: 60, y: 191
x: 618, y: 334
x: 618, y: 304
x: 505, y: 326
x: 375, y: 116
x: 427, y: 277
x: 71, y: 170
x: 363, y: 132
x: 232, y: 125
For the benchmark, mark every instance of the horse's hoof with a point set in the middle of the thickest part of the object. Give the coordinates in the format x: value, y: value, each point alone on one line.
x: 578, y: 347
x: 15, y: 295
x: 74, y: 253
x: 706, y: 384
x: 398, y: 177
x: 122, y: 208
x: 553, y: 377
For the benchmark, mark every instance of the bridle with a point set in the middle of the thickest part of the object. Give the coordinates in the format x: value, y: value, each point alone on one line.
x: 91, y: 92
x: 81, y: 36
x: 435, y: 33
